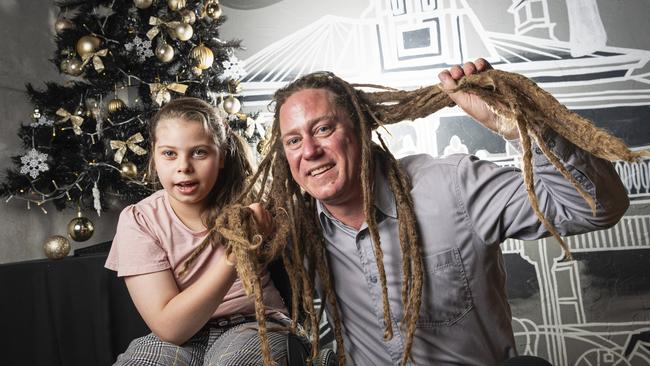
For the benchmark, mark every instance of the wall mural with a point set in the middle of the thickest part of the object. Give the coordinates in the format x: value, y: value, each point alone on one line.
x: 591, y: 311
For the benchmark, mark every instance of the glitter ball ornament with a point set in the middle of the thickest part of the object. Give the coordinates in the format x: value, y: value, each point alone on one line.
x: 74, y: 67
x: 128, y: 170
x: 80, y: 228
x: 213, y: 10
x: 56, y: 247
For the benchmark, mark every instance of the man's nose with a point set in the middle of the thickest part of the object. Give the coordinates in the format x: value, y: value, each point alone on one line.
x: 310, y: 148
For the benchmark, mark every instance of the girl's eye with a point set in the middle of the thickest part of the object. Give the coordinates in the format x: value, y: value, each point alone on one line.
x: 168, y: 154
x: 200, y: 153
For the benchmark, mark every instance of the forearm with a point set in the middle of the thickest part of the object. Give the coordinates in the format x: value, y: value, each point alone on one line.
x: 176, y: 316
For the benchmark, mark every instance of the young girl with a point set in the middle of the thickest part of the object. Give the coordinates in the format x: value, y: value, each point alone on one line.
x: 198, y: 315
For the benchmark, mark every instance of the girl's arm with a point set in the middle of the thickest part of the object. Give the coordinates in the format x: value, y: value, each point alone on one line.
x: 173, y: 315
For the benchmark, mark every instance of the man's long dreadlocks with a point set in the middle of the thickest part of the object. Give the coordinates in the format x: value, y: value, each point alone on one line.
x: 298, y: 239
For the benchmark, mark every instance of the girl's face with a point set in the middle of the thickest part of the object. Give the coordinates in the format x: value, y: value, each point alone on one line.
x: 187, y: 162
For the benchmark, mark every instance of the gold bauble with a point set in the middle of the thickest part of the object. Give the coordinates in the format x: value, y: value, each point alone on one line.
x: 175, y: 5
x: 142, y: 4
x: 87, y: 45
x: 56, y: 247
x: 80, y: 228
x: 231, y: 105
x: 213, y: 10
x: 196, y: 71
x: 202, y: 56
x: 115, y: 105
x: 183, y: 31
x: 62, y: 24
x: 188, y: 16
x: 128, y: 170
x: 75, y: 67
x: 164, y: 52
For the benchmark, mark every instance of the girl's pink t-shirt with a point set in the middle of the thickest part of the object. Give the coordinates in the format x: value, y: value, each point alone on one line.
x: 151, y: 238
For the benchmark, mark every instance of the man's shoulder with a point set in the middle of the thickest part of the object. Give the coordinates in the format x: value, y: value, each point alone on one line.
x: 418, y: 162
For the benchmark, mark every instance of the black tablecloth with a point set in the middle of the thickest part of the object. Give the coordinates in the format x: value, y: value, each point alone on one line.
x: 66, y: 312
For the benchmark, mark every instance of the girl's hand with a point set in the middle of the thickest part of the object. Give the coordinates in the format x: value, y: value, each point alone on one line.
x: 263, y: 219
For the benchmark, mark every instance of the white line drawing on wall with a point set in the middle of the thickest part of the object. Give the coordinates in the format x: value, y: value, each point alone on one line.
x: 403, y: 43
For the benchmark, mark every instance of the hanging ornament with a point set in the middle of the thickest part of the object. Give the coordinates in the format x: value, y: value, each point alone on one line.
x: 196, y: 71
x: 202, y: 56
x: 164, y: 52
x: 62, y: 25
x: 115, y: 105
x: 233, y: 68
x: 130, y: 143
x: 142, y: 4
x: 231, y: 104
x: 183, y: 31
x: 141, y: 46
x: 213, y: 9
x: 76, y: 119
x: 34, y: 162
x: 176, y: 5
x: 64, y: 66
x: 74, y: 67
x: 80, y: 228
x: 87, y: 45
x: 128, y: 170
x: 36, y: 114
x: 188, y: 16
x: 56, y: 247
x: 97, y: 203
x: 160, y: 92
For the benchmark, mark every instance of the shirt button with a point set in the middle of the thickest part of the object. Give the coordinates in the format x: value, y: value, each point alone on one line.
x: 373, y: 279
x: 538, y: 151
x: 362, y: 236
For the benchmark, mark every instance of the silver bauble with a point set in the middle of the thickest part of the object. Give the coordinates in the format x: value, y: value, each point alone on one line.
x: 56, y: 247
x: 164, y: 52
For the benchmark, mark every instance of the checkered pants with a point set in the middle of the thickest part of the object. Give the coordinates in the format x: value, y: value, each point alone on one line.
x: 220, y: 343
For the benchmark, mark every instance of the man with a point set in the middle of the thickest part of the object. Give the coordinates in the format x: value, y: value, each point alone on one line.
x: 463, y: 209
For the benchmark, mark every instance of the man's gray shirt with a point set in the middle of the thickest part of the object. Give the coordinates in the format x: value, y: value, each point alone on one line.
x: 465, y: 208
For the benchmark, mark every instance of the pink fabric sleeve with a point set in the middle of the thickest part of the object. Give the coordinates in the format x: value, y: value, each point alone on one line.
x: 135, y: 249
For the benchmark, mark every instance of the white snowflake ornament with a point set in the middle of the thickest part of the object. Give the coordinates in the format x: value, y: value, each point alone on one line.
x: 142, y: 48
x: 42, y: 121
x: 233, y: 68
x: 34, y: 163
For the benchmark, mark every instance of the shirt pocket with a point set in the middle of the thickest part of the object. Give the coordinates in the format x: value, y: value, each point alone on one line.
x: 446, y: 296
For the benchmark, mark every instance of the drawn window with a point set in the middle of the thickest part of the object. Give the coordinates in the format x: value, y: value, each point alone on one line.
x: 418, y: 40
x: 536, y: 10
x: 429, y: 5
x: 398, y: 7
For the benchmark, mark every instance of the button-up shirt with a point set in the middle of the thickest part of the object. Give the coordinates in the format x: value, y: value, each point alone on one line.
x: 465, y: 208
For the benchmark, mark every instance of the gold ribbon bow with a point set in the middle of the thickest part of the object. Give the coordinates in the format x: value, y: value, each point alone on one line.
x: 97, y: 62
x: 158, y: 90
x: 157, y: 24
x: 130, y: 143
x: 76, y: 121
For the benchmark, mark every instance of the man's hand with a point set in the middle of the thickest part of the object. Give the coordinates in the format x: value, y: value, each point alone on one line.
x: 470, y: 103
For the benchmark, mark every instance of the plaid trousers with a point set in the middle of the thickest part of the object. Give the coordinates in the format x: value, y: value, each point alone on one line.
x: 220, y: 343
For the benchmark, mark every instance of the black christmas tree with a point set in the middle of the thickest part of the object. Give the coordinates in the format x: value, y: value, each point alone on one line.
x: 85, y: 145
